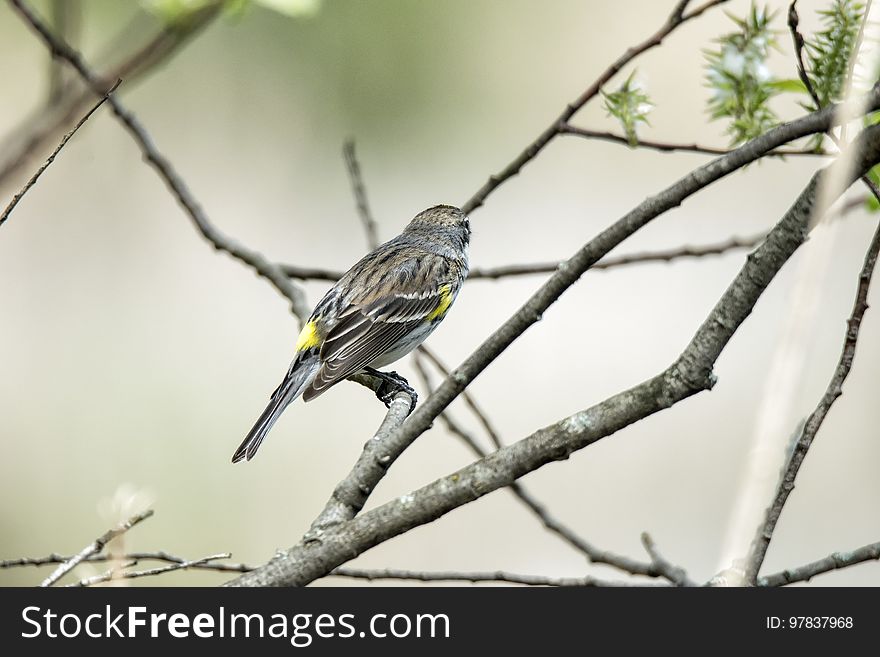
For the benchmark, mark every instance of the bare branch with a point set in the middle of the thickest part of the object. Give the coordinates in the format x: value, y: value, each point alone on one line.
x: 33, y: 179
x: 798, y: 40
x: 166, y: 171
x: 759, y: 547
x: 371, y: 229
x: 688, y: 375
x: 114, y: 572
x: 94, y: 547
x: 834, y: 561
x: 128, y: 557
x: 675, y: 20
x: 494, y: 576
x: 379, y: 453
x: 670, y: 147
x: 121, y: 573
x: 665, y: 255
x: 48, y: 560
x: 675, y: 574
x: 468, y: 398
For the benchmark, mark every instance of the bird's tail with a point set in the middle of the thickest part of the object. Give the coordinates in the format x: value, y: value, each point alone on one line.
x: 291, y: 387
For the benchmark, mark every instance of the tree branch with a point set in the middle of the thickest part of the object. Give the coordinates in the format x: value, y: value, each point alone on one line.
x: 675, y: 574
x: 798, y: 40
x: 166, y: 171
x: 128, y: 557
x: 675, y: 20
x: 371, y: 229
x: 494, y: 576
x: 95, y: 547
x: 834, y: 561
x: 670, y: 147
x: 466, y: 396
x: 689, y: 374
x: 379, y: 453
x: 33, y: 179
x: 120, y: 573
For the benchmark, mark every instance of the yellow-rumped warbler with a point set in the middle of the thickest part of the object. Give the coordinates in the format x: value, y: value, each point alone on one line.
x: 379, y: 311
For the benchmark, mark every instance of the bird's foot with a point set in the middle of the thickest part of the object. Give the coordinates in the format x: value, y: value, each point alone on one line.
x: 393, y: 383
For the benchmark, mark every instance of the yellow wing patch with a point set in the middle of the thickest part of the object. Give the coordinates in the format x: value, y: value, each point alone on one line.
x: 443, y: 305
x: 308, y: 337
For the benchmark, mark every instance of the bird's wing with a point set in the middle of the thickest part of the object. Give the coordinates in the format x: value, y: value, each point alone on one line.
x: 365, y: 332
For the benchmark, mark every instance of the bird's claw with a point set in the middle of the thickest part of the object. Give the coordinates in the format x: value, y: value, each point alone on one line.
x: 393, y: 383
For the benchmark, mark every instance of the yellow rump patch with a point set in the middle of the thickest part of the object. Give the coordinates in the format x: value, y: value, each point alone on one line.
x: 308, y: 337
x: 443, y: 305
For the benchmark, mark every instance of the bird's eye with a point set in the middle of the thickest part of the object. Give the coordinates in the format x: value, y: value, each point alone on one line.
x: 467, y: 225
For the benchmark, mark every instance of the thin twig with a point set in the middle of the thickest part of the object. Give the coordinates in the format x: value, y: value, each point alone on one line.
x: 798, y: 40
x: 95, y: 547
x: 494, y: 576
x: 360, y: 194
x: 677, y: 18
x: 33, y: 179
x: 675, y: 574
x: 834, y: 561
x: 114, y: 572
x: 758, y: 550
x: 466, y: 395
x: 663, y: 255
x: 134, y: 557
x: 530, y: 269
x: 268, y: 270
x: 121, y: 573
x: 670, y: 147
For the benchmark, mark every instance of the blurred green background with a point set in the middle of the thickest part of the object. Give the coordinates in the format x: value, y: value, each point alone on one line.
x: 133, y: 358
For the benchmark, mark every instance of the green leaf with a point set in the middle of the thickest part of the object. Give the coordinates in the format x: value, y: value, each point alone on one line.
x: 829, y: 50
x: 872, y: 204
x: 741, y: 83
x: 630, y: 105
x: 792, y: 85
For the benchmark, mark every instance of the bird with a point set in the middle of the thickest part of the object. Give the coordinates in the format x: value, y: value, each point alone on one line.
x: 379, y: 311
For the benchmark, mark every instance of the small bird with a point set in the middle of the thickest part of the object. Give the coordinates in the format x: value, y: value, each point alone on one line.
x: 379, y: 311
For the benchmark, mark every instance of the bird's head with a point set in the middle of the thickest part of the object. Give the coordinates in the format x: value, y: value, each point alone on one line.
x: 443, y: 217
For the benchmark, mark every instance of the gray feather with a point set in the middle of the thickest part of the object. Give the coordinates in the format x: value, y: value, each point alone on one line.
x: 300, y: 375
